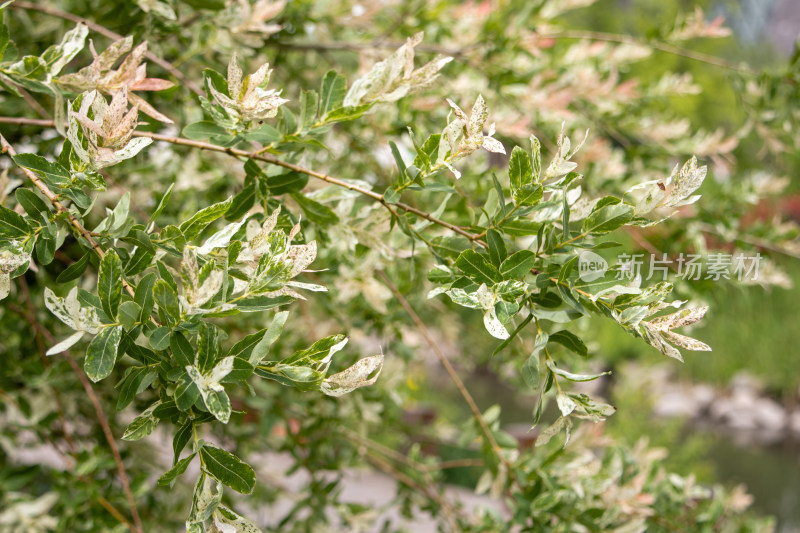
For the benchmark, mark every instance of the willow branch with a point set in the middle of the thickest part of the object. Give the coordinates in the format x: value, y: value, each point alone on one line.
x: 267, y: 158
x: 451, y: 371
x: 102, y: 30
x: 54, y: 201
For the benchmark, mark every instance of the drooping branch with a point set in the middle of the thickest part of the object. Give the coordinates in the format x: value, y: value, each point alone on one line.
x: 451, y: 371
x: 102, y: 30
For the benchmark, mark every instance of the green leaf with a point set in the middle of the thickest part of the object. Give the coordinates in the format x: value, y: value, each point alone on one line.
x: 497, y: 248
x: 131, y: 385
x: 140, y: 238
x: 308, y: 112
x: 203, y: 130
x: 139, y: 261
x: 186, y: 393
x: 45, y: 249
x: 315, y: 211
x: 53, y: 174
x: 347, y: 113
x: 166, y: 299
x: 12, y: 225
x: 75, y: 270
x: 244, y: 201
x: 207, y: 346
x: 179, y: 468
x: 142, y: 425
x: 449, y: 246
x: 32, y: 203
x: 109, y: 283
x: 261, y: 349
x: 161, y: 205
x: 102, y: 353
x: 227, y: 468
x: 571, y: 341
x: 518, y: 264
x: 318, y: 352
x: 181, y: 439
x: 129, y: 313
x: 529, y: 194
x: 530, y: 371
x: 262, y: 303
x: 519, y: 169
x: 286, y: 183
x: 264, y: 134
x: 211, y: 5
x: 478, y: 268
x: 607, y: 218
x: 182, y: 350
x: 143, y: 296
x: 195, y: 225
x: 4, y: 40
x: 331, y: 92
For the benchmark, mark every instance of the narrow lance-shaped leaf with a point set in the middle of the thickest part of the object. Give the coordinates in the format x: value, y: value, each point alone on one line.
x: 227, y: 468
x: 102, y: 353
x: 109, y: 283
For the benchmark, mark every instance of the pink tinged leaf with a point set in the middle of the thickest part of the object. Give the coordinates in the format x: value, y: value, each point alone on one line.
x: 151, y: 84
x: 259, y: 77
x: 87, y: 123
x: 115, y: 112
x: 147, y: 109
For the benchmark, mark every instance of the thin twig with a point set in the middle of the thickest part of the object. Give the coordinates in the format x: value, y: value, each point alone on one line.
x: 755, y: 241
x: 374, y: 45
x: 101, y: 418
x: 112, y: 443
x: 476, y: 412
x: 31, y: 101
x: 663, y: 47
x: 102, y: 30
x: 429, y: 491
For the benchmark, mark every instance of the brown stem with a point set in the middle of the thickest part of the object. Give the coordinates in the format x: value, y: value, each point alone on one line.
x: 112, y: 443
x: 31, y: 317
x: 312, y: 173
x: 275, y: 161
x: 102, y: 30
x: 476, y: 412
x: 407, y: 480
